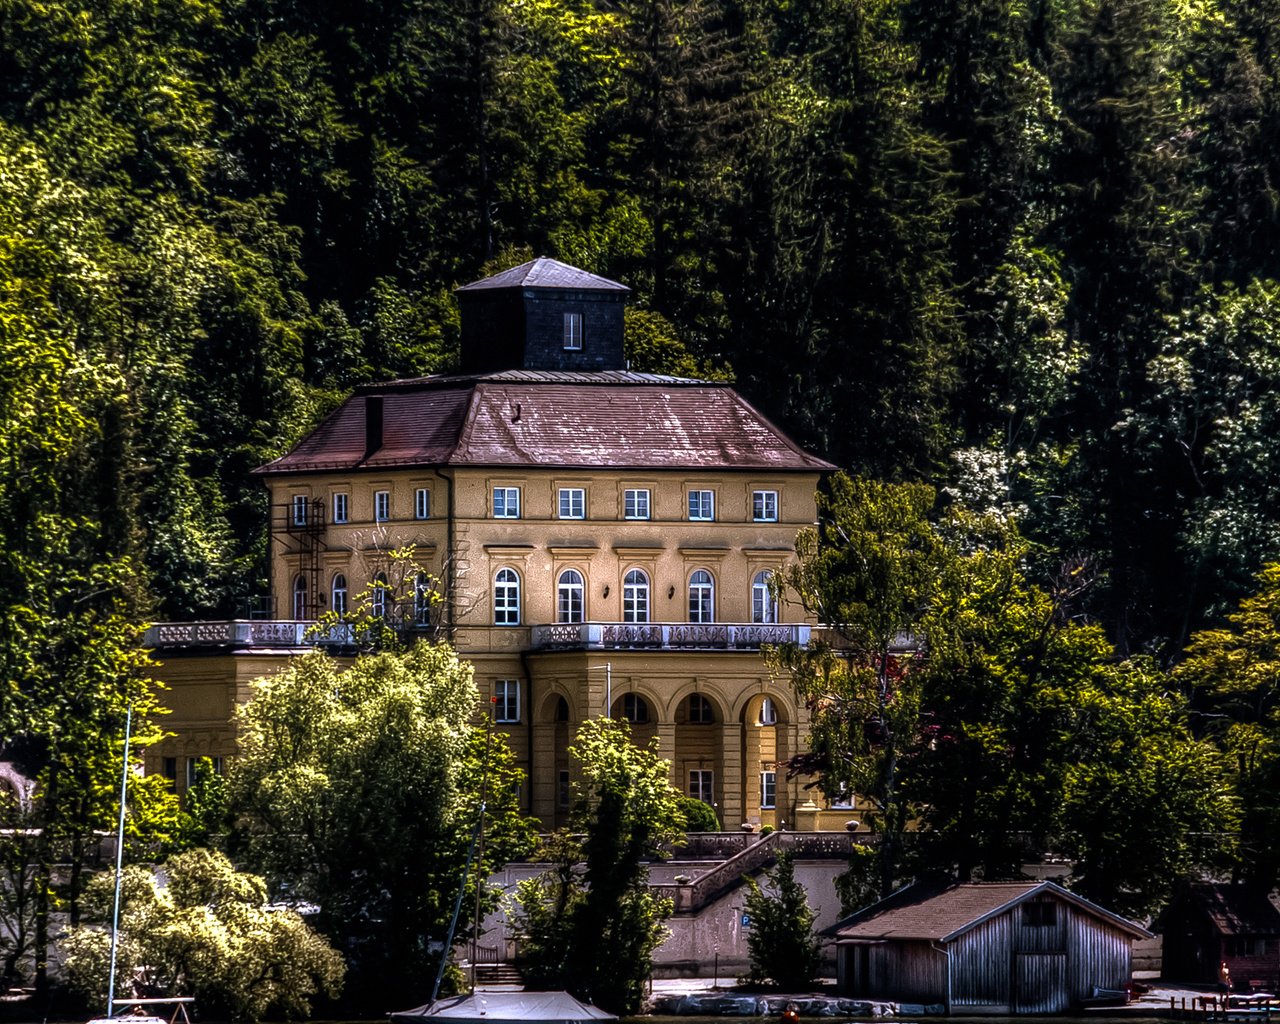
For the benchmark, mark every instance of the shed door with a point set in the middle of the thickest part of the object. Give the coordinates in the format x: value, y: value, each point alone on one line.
x: 1040, y: 983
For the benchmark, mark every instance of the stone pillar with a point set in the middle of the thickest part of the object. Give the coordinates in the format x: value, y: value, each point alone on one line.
x: 542, y: 766
x: 752, y: 756
x: 730, y: 784
x: 666, y: 732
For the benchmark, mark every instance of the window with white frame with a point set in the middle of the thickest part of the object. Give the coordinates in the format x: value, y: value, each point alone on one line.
x: 702, y: 597
x: 572, y: 331
x: 298, y: 515
x: 422, y: 503
x: 197, y: 772
x: 573, y: 503
x: 506, y: 705
x: 340, y: 508
x: 506, y: 598
x: 764, y: 506
x: 300, y: 597
x: 569, y: 596
x: 506, y: 503
x: 422, y: 599
x: 768, y: 713
x: 381, y: 506
x: 702, y: 785
x: 635, y: 503
x: 339, y: 594
x: 700, y: 711
x: 702, y: 505
x: 635, y: 596
x: 842, y: 799
x: 764, y: 606
x: 768, y: 789
x: 634, y: 708
x: 378, y: 599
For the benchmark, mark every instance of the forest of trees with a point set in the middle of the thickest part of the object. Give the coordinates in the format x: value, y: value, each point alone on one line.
x: 1027, y: 253
x: 1025, y: 256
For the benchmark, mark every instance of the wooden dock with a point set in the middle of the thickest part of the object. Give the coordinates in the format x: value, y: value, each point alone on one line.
x: 1222, y: 1008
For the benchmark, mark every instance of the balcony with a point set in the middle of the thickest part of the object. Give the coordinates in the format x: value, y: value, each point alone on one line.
x: 240, y: 633
x: 668, y: 636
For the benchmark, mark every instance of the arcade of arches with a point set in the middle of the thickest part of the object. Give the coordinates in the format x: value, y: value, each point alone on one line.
x: 724, y: 728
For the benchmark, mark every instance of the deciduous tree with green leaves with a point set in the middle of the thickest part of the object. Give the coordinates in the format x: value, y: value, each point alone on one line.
x: 208, y: 932
x: 594, y: 932
x: 358, y: 789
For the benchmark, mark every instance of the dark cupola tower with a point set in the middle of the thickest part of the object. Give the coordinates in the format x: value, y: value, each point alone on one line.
x: 542, y: 315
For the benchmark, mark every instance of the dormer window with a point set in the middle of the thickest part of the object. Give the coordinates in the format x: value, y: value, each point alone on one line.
x: 573, y: 332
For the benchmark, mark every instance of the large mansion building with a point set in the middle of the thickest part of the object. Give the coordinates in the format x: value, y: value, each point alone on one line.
x: 591, y: 539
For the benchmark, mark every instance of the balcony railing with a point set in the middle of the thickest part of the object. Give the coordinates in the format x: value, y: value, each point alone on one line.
x: 658, y: 636
x: 245, y: 633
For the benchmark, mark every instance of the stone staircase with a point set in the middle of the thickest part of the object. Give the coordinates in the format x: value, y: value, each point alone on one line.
x: 498, y: 975
x: 727, y: 874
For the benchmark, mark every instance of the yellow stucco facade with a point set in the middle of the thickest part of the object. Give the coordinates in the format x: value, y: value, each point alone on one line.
x: 592, y: 542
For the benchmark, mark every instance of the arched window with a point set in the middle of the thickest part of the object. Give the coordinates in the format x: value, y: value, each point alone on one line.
x: 700, y: 709
x: 300, y: 597
x: 764, y: 606
x: 634, y: 708
x: 422, y: 599
x: 702, y: 593
x: 635, y: 597
x: 506, y: 598
x: 768, y: 713
x: 562, y: 710
x: 339, y: 594
x: 569, y: 596
x: 378, y: 600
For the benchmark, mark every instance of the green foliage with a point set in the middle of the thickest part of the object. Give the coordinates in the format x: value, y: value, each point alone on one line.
x: 209, y: 933
x: 357, y: 790
x: 699, y: 816
x: 594, y: 932
x: 781, y: 943
x: 870, y: 571
x: 1236, y: 667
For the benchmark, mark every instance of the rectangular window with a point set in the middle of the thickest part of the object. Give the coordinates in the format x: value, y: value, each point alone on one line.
x: 768, y: 789
x: 193, y: 768
x: 506, y: 706
x: 1039, y: 915
x: 572, y: 331
x: 702, y: 505
x: 422, y: 503
x: 573, y: 503
x: 635, y: 504
x: 843, y: 800
x: 299, y: 516
x: 339, y: 508
x: 381, y: 506
x: 506, y: 503
x: 562, y: 788
x: 701, y: 785
x: 764, y: 506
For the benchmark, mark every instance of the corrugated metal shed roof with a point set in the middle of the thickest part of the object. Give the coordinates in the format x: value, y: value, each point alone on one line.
x: 938, y: 914
x: 572, y: 420
x: 545, y: 272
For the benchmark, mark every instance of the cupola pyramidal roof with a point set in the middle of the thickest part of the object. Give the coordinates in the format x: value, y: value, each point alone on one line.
x: 544, y: 382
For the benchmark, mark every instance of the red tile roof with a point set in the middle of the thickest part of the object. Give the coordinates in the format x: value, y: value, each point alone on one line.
x: 928, y: 913
x: 573, y: 420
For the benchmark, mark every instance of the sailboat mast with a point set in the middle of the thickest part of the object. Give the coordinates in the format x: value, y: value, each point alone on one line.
x: 115, y: 911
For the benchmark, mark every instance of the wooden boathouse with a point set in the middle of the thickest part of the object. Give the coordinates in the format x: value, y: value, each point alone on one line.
x: 989, y: 948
